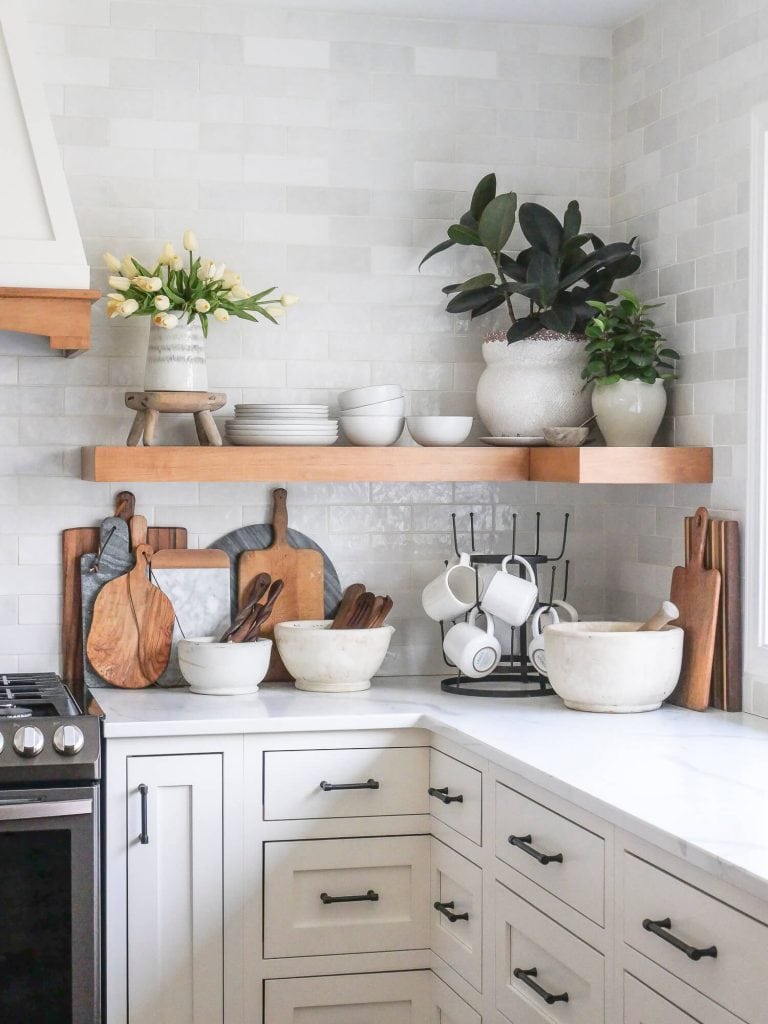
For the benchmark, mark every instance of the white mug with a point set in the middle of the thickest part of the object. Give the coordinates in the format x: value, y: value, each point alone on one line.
x: 473, y: 650
x: 570, y: 611
x: 453, y: 592
x: 510, y: 597
x: 536, y: 646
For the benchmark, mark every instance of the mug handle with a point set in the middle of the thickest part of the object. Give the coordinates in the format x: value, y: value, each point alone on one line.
x: 521, y: 561
x: 569, y: 610
x: 536, y: 618
x: 490, y: 628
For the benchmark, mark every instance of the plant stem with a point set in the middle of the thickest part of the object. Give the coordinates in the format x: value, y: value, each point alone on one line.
x: 507, y: 296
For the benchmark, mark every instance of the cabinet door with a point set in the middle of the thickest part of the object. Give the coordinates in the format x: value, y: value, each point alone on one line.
x: 448, y: 1008
x: 643, y: 1006
x: 175, y: 890
x: 400, y: 997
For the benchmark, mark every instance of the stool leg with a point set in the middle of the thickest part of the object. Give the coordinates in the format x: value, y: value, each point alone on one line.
x: 137, y: 428
x: 201, y: 438
x: 210, y: 428
x: 150, y: 424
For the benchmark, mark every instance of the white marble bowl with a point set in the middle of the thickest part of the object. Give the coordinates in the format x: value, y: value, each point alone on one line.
x: 331, y: 660
x: 609, y: 666
x: 432, y: 431
x: 223, y: 669
x: 372, y: 431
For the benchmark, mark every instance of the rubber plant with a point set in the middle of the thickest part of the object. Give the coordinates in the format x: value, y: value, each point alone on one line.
x: 561, y: 271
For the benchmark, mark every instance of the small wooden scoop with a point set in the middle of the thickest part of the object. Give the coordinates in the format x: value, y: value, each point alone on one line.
x: 666, y: 613
x: 347, y: 605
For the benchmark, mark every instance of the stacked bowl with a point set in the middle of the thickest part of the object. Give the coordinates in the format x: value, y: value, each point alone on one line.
x: 373, y: 416
x: 282, y: 424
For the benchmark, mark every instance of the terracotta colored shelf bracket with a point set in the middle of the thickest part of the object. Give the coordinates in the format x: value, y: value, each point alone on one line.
x: 61, y: 314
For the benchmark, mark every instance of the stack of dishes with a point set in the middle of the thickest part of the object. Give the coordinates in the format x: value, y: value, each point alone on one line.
x: 282, y: 424
x: 373, y: 416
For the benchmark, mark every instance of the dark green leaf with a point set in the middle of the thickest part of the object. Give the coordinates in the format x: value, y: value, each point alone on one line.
x: 463, y: 235
x: 669, y: 353
x: 441, y: 247
x: 542, y: 270
x: 556, y: 321
x: 572, y: 220
x: 523, y: 328
x: 465, y: 301
x: 480, y: 281
x: 512, y: 268
x: 486, y: 307
x: 485, y: 191
x: 469, y: 220
x: 541, y: 227
x: 497, y: 221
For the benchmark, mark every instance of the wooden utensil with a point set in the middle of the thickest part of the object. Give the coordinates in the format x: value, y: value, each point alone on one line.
x: 125, y: 504
x: 300, y: 570
x: 381, y: 612
x: 251, y: 629
x: 666, y: 613
x: 137, y: 526
x: 129, y: 643
x: 258, y: 590
x: 696, y: 591
x: 362, y: 610
x: 346, y: 605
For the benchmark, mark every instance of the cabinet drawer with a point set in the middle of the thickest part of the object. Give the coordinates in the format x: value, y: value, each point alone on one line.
x: 526, y: 940
x: 398, y: 997
x: 304, y: 880
x: 737, y: 978
x: 457, y: 885
x: 448, y: 1008
x: 578, y: 879
x: 448, y: 780
x: 643, y: 1006
x: 386, y: 780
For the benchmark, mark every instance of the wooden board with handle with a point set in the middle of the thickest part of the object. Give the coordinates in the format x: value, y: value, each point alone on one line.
x: 129, y: 642
x: 696, y: 592
x: 300, y: 569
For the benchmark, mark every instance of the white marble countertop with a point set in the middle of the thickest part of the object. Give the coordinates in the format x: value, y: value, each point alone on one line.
x: 694, y: 784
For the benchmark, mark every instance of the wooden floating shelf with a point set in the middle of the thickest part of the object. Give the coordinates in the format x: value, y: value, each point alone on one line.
x: 61, y: 314
x: 407, y: 464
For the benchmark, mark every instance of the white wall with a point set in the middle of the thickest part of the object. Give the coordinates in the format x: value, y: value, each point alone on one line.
x: 324, y: 153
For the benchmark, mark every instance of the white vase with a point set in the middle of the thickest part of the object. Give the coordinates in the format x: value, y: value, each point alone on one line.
x: 176, y: 358
x: 532, y: 384
x: 629, y: 413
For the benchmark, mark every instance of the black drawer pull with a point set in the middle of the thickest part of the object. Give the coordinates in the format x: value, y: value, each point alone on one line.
x: 528, y: 976
x: 370, y: 896
x: 442, y: 794
x: 523, y: 843
x: 658, y: 928
x: 370, y: 784
x: 446, y: 909
x: 144, y: 836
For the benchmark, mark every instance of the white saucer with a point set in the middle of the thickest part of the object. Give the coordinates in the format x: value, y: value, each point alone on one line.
x: 515, y: 442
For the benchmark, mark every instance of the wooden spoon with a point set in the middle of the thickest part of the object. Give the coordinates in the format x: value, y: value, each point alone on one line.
x: 666, y: 613
x: 362, y: 610
x: 381, y: 610
x: 257, y: 591
x: 346, y: 605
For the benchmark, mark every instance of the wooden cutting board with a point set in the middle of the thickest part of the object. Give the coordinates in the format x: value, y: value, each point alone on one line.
x: 696, y: 592
x: 301, y: 571
x: 129, y: 643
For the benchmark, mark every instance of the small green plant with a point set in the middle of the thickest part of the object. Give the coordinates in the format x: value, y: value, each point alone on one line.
x: 623, y: 344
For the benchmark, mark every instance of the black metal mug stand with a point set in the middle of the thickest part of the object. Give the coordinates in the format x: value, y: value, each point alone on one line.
x: 515, y: 676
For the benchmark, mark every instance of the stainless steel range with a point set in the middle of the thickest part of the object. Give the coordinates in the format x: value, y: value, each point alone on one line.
x: 49, y: 854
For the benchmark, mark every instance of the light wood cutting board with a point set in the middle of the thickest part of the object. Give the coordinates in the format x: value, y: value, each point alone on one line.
x: 696, y: 592
x: 300, y: 569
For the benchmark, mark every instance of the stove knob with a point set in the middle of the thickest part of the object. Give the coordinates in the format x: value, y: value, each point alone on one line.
x: 28, y: 741
x: 68, y: 740
x: 2, y: 743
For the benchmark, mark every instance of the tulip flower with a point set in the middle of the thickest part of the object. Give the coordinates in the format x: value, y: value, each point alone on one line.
x: 238, y: 292
x: 288, y: 300
x: 120, y: 284
x: 170, y: 321
x: 168, y: 255
x: 177, y: 263
x: 221, y: 315
x: 112, y: 262
x: 114, y: 304
x: 190, y: 241
x: 206, y: 266
x: 230, y: 278
x: 202, y: 306
x: 128, y: 307
x: 162, y: 302
x: 147, y: 284
x: 128, y: 268
x: 274, y: 310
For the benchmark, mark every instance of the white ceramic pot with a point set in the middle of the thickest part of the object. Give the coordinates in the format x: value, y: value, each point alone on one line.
x: 331, y: 660
x: 629, y: 413
x: 176, y: 358
x: 609, y: 666
x: 223, y: 669
x: 533, y: 384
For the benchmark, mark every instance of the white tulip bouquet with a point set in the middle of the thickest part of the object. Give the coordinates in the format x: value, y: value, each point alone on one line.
x: 172, y: 290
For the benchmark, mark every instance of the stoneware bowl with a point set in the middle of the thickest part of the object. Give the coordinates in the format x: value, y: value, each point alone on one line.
x: 565, y: 437
x: 394, y: 407
x: 609, y: 666
x: 439, y: 430
x: 365, y: 396
x: 372, y: 431
x: 331, y: 660
x: 223, y: 669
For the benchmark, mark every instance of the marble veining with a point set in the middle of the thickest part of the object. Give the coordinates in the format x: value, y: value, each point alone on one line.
x: 694, y: 784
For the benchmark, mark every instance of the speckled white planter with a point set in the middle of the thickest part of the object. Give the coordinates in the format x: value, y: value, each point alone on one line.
x: 629, y: 413
x: 533, y: 384
x: 176, y: 358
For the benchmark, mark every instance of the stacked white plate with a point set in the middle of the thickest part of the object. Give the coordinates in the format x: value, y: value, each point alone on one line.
x: 282, y: 424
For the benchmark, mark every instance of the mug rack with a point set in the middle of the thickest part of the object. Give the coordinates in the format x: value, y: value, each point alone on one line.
x: 515, y: 676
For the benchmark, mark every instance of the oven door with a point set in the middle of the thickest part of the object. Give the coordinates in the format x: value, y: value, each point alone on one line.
x: 49, y: 906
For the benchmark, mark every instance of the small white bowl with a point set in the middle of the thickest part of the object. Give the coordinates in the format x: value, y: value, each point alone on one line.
x: 565, y: 437
x: 372, y: 431
x: 366, y: 396
x: 223, y: 669
x: 331, y: 660
x: 394, y: 407
x: 431, y: 431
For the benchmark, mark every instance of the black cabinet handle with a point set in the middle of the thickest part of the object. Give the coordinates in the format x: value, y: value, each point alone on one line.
x: 659, y: 928
x: 144, y: 835
x: 523, y: 843
x: 527, y: 978
x: 442, y: 795
x: 446, y: 909
x: 370, y: 896
x: 328, y: 786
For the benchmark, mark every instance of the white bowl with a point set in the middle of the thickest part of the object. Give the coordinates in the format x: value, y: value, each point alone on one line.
x: 223, y: 669
x: 365, y: 396
x: 372, y: 431
x: 394, y: 407
x: 439, y: 430
x: 331, y: 660
x: 609, y: 666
